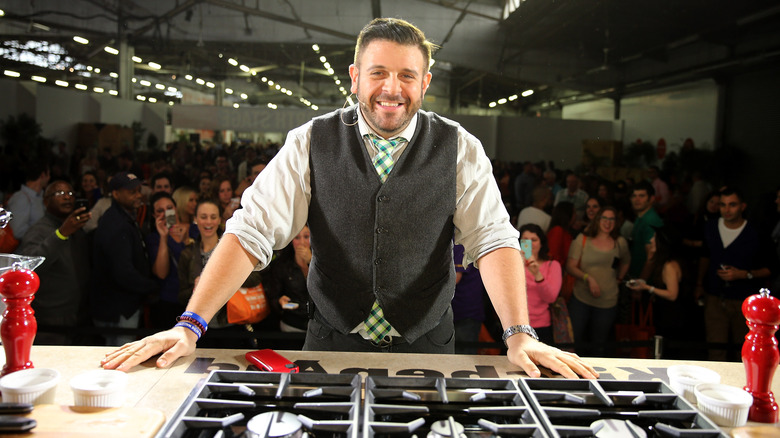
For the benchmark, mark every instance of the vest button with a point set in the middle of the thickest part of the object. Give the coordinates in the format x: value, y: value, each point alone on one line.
x: 383, y: 198
x: 380, y: 230
x: 379, y: 290
x: 378, y: 261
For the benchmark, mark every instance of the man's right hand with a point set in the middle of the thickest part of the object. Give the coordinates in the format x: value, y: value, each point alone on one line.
x: 173, y: 343
x: 75, y: 221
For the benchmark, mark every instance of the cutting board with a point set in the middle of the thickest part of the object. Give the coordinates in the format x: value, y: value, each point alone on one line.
x: 76, y: 421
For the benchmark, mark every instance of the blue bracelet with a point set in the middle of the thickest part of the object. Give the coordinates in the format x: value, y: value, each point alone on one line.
x: 190, y: 326
x: 198, y: 318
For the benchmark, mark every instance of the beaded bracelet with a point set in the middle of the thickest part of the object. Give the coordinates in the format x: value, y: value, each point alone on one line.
x: 199, y: 319
x: 195, y: 329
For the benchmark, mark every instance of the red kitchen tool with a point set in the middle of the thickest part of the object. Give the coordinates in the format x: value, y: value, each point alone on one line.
x: 18, y: 284
x: 760, y: 354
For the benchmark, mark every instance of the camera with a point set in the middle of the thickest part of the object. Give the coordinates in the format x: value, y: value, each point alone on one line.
x: 170, y: 217
x: 81, y: 202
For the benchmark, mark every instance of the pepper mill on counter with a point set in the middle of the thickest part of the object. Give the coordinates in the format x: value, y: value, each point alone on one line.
x: 18, y: 284
x: 760, y: 354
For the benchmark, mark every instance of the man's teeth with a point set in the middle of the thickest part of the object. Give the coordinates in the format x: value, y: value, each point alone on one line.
x: 389, y: 103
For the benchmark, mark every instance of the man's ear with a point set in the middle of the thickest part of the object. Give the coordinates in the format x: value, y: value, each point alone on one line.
x: 353, y: 75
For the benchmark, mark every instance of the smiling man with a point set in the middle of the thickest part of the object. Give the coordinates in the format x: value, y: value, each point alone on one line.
x: 385, y: 189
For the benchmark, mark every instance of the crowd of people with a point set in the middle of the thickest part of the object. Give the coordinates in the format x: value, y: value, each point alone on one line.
x: 125, y: 239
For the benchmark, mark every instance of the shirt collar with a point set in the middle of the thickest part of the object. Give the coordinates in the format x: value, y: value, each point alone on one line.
x: 364, y: 129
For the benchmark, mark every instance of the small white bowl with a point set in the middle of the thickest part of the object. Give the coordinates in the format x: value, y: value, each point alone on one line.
x: 684, y: 378
x: 99, y: 388
x: 33, y: 385
x: 727, y: 406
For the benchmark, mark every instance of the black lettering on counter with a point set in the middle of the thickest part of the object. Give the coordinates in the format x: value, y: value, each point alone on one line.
x: 421, y: 372
x: 373, y: 372
x: 203, y: 365
x: 655, y: 373
x: 482, y: 372
x: 310, y: 366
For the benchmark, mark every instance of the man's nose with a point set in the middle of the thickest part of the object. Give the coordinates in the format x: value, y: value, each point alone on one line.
x: 392, y: 85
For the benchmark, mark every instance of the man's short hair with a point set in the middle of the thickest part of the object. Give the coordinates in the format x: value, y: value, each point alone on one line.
x: 160, y: 195
x: 34, y: 169
x: 730, y: 190
x: 395, y: 30
x: 644, y: 185
x: 540, y: 193
x: 160, y: 175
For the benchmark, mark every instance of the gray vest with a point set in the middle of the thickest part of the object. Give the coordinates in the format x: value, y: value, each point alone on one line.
x: 389, y: 242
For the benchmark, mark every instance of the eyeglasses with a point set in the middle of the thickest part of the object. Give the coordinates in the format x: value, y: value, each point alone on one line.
x: 62, y: 193
x: 605, y: 218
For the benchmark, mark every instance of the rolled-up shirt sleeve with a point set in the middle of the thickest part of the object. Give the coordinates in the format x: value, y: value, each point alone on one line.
x: 276, y: 207
x: 481, y: 221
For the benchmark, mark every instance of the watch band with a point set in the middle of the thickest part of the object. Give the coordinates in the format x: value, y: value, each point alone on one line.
x: 515, y: 329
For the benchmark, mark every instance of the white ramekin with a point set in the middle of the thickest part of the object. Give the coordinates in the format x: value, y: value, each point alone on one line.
x: 684, y: 378
x: 725, y: 405
x: 33, y: 385
x: 99, y: 388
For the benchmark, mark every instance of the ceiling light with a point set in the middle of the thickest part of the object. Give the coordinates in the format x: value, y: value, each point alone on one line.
x: 513, y: 97
x: 81, y: 86
x: 145, y: 83
x: 2, y: 12
x: 61, y: 83
x: 264, y: 79
x: 80, y: 40
x: 229, y: 90
x: 272, y: 106
x: 188, y: 77
x: 210, y: 84
x: 527, y: 93
x: 254, y: 73
x: 283, y: 90
x: 270, y: 83
x: 153, y: 99
x: 338, y: 82
x: 315, y: 107
x: 137, y: 59
x: 327, y: 65
x: 11, y: 73
x: 323, y: 59
x: 89, y: 68
x: 113, y: 92
x: 98, y: 90
x: 154, y: 65
x: 315, y: 47
x: 244, y: 96
x: 97, y: 70
x: 159, y: 86
x: 42, y: 27
x: 235, y: 105
x: 40, y: 79
x: 289, y: 93
x: 330, y: 71
x: 502, y: 101
x: 111, y: 50
x: 200, y: 81
x: 134, y: 80
x: 170, y: 102
x: 492, y: 104
x: 172, y: 89
x: 277, y: 86
x: 244, y: 68
x: 114, y: 75
x: 232, y: 62
x: 140, y: 97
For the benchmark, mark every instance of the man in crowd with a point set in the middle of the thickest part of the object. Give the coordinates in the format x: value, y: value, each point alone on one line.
x: 738, y: 260
x: 27, y: 203
x: 647, y: 221
x: 58, y: 236
x: 161, y: 182
x: 384, y: 188
x: 535, y: 213
x: 122, y: 274
x: 574, y: 194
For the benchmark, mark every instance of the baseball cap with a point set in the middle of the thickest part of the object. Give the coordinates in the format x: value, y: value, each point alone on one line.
x: 124, y: 180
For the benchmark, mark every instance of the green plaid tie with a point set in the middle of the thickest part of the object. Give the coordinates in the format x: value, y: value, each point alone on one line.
x: 376, y: 325
x: 383, y: 161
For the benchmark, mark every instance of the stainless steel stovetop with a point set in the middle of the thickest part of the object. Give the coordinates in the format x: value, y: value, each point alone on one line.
x: 257, y: 404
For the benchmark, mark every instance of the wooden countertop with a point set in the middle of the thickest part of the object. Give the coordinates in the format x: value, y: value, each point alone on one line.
x: 166, y: 389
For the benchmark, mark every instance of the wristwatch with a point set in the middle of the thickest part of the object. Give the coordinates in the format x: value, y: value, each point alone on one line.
x: 515, y: 329
x: 749, y: 275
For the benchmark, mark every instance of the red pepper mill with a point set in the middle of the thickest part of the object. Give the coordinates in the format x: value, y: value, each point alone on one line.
x: 760, y: 354
x: 18, y: 285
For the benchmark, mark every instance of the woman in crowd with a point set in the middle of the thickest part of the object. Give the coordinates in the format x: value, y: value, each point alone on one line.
x: 542, y: 282
x: 559, y: 235
x: 598, y: 259
x: 186, y: 200
x: 223, y: 191
x: 89, y: 187
x: 286, y: 284
x: 164, y: 245
x: 204, y: 186
x: 592, y: 207
x: 191, y: 263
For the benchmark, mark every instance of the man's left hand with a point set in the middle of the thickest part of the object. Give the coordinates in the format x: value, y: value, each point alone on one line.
x: 527, y: 353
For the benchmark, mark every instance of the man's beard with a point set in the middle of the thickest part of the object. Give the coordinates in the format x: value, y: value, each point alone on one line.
x: 381, y: 124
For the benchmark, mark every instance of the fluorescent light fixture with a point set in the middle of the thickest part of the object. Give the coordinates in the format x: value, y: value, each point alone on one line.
x: 81, y: 87
x: 283, y: 90
x: 188, y: 77
x: 134, y: 80
x: 277, y: 86
x: 338, y: 82
x: 200, y: 81
x: 170, y: 102
x: 97, y: 70
x: 527, y: 93
x: 210, y: 84
x: 11, y: 73
x: 264, y: 79
x: 513, y: 97
x: 145, y: 83
x: 159, y: 86
x: 289, y: 93
x: 40, y: 79
x: 502, y: 101
x: 42, y: 27
x: 137, y: 59
x: 327, y: 65
x: 111, y: 50
x: 140, y: 97
x: 154, y: 65
x: 323, y: 59
x: 253, y: 73
x: 113, y: 92
x: 89, y: 68
x: 153, y: 99
x: 244, y: 68
x: 235, y: 105
x: 80, y: 40
x: 315, y: 107
x: 330, y: 71
x: 229, y: 90
x: 270, y: 83
x: 2, y: 12
x: 492, y: 104
x: 244, y: 96
x: 271, y: 105
x: 98, y: 90
x: 232, y: 62
x: 114, y: 74
x: 315, y: 47
x: 172, y: 89
x: 61, y: 83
